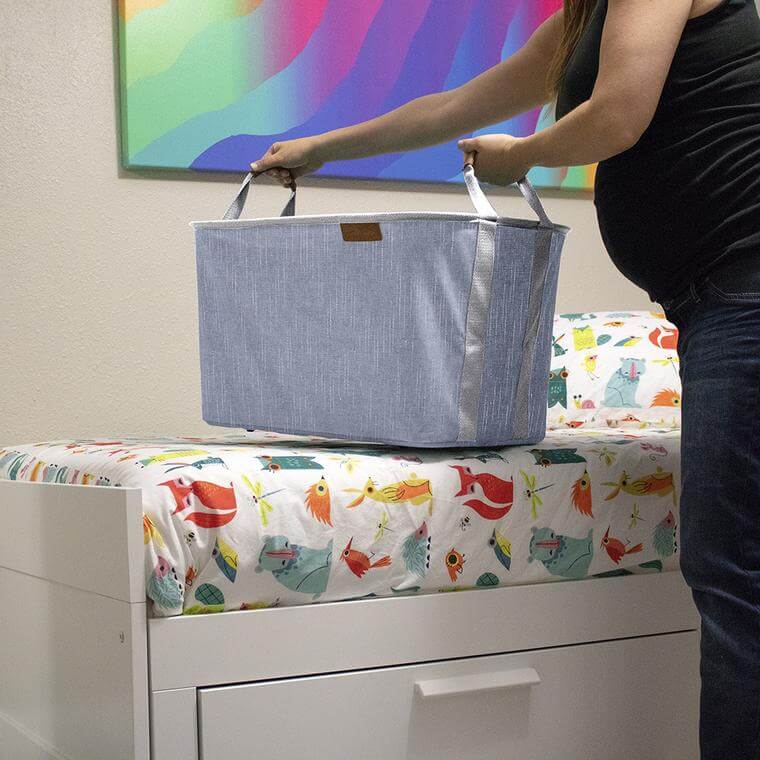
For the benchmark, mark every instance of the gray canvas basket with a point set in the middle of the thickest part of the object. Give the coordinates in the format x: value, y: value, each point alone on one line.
x: 417, y: 329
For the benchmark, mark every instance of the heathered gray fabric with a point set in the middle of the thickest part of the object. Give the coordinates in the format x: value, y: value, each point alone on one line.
x: 415, y: 339
x: 539, y: 270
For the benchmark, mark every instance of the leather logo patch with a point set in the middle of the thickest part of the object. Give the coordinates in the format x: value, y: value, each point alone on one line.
x: 361, y: 232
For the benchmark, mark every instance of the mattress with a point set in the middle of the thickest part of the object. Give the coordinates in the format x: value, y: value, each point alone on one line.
x: 246, y: 521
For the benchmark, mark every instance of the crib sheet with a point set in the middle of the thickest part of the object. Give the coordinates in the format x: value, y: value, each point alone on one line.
x: 245, y: 521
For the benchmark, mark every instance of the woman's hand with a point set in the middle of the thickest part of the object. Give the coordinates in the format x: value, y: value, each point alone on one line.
x: 285, y: 161
x: 499, y: 160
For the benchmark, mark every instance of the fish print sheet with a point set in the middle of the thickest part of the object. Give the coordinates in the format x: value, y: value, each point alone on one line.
x: 244, y: 521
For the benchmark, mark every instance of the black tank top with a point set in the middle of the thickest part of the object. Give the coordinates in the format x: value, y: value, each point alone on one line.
x: 686, y: 198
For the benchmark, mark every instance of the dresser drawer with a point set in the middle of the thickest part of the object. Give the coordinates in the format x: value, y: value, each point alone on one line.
x: 635, y: 698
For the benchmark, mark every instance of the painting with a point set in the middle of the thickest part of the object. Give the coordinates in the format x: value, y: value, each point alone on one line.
x: 208, y: 85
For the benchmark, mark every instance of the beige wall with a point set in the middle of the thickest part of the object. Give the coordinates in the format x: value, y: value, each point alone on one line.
x: 98, y: 306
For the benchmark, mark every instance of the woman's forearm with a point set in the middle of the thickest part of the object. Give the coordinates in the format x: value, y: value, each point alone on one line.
x: 592, y: 132
x: 417, y: 124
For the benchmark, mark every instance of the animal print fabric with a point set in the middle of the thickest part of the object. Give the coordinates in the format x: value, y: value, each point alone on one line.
x: 614, y: 368
x: 259, y: 520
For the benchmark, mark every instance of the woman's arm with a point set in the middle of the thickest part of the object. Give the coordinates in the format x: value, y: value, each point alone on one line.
x: 638, y: 43
x: 506, y: 89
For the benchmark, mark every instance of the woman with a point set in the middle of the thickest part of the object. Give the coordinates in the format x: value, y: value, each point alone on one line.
x: 666, y: 96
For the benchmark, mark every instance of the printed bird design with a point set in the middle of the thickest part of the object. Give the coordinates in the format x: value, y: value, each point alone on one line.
x: 150, y: 532
x: 502, y: 548
x: 666, y: 397
x: 631, y: 340
x: 226, y: 559
x: 318, y: 501
x: 616, y: 549
x: 659, y: 482
x: 454, y: 563
x: 664, y: 538
x: 210, y: 495
x: 359, y: 563
x: 416, y: 551
x: 164, y: 587
x: 589, y: 364
x: 415, y: 490
x: 581, y: 494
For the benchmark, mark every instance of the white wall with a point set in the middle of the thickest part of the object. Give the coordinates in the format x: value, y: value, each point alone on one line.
x: 98, y: 307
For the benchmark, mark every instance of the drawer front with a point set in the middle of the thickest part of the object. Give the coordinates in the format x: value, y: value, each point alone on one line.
x: 634, y: 698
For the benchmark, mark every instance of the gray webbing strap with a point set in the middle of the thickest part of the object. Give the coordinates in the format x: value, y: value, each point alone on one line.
x: 476, y: 322
x: 484, y: 208
x: 531, y: 196
x: 482, y: 205
x: 236, y: 207
x: 535, y: 301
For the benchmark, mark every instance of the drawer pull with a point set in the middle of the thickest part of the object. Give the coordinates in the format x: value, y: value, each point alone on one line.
x: 505, y: 679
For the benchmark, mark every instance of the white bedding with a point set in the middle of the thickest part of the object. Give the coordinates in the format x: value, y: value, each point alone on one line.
x: 255, y: 520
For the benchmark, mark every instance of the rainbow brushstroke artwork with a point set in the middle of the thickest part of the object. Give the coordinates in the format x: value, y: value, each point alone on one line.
x: 208, y: 85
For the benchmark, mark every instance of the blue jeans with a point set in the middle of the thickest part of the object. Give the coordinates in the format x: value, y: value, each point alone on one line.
x: 718, y: 318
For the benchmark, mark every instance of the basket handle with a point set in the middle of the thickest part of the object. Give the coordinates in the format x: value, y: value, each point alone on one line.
x: 483, y: 206
x: 236, y: 207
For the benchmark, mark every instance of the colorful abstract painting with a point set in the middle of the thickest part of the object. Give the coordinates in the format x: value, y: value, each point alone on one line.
x: 208, y: 85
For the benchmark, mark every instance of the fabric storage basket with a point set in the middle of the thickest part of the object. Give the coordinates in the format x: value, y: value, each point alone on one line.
x: 417, y: 329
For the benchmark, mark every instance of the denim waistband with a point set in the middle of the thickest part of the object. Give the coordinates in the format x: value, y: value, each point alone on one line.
x: 734, y: 273
x: 683, y: 296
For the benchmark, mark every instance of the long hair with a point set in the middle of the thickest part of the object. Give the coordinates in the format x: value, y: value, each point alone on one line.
x: 575, y: 16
